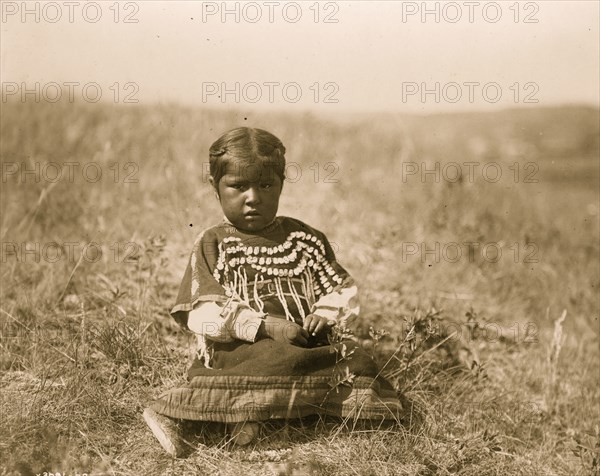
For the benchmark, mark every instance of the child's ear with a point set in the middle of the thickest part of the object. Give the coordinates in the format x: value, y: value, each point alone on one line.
x: 215, y: 186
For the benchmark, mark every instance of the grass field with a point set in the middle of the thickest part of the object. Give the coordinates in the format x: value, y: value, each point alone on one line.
x: 469, y: 276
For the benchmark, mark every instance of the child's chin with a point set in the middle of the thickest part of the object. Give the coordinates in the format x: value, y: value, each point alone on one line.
x: 252, y: 225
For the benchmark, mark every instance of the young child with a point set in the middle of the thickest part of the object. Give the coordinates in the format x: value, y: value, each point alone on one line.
x: 262, y: 293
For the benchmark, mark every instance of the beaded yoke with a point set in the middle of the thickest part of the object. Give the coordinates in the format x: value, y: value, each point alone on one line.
x: 282, y: 270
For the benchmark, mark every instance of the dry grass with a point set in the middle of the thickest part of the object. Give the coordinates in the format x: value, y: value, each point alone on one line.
x: 85, y: 345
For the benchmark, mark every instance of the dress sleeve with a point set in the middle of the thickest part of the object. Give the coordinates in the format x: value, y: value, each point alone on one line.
x: 213, y: 322
x: 198, y: 283
x: 341, y: 306
x: 224, y: 323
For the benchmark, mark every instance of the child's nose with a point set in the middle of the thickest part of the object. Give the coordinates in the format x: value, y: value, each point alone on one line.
x: 252, y: 195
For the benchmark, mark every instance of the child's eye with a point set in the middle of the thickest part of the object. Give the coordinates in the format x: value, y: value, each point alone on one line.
x: 267, y: 185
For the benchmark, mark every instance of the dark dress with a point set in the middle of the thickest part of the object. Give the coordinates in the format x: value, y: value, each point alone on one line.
x: 282, y: 270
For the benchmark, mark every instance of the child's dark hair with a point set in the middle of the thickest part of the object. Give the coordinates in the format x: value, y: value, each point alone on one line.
x: 247, y: 146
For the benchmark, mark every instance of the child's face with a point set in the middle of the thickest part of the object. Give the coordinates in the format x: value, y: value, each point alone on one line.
x: 249, y: 195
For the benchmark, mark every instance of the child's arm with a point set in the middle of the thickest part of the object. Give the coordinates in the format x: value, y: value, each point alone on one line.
x: 282, y: 330
x: 224, y: 323
x: 339, y: 307
x: 236, y: 320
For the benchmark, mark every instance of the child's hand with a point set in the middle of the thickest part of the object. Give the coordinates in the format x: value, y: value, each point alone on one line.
x: 314, y: 324
x: 283, y: 330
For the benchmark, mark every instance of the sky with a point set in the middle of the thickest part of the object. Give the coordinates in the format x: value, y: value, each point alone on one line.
x: 357, y: 56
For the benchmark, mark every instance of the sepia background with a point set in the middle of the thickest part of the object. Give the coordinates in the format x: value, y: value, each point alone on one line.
x: 450, y: 152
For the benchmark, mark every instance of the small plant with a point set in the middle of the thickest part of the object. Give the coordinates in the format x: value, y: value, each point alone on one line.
x: 587, y: 449
x: 420, y: 332
x: 377, y: 335
x: 341, y: 373
x: 558, y: 340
